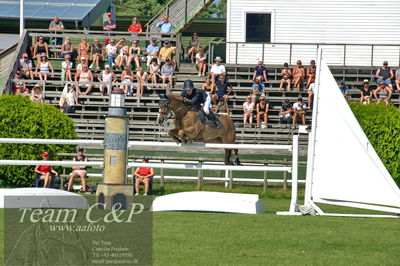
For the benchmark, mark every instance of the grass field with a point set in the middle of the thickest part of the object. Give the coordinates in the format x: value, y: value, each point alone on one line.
x: 184, y: 238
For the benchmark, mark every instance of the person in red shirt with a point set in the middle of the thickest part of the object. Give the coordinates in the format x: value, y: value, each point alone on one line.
x: 143, y: 175
x: 45, y: 170
x: 135, y: 27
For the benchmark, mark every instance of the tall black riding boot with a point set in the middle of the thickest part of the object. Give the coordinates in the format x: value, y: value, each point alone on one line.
x: 214, y: 120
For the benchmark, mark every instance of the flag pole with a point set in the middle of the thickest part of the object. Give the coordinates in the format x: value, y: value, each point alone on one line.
x: 21, y: 18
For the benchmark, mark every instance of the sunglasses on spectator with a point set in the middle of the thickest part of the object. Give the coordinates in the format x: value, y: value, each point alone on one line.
x: 25, y: 57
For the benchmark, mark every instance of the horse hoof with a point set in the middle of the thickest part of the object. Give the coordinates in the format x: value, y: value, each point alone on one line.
x: 237, y: 161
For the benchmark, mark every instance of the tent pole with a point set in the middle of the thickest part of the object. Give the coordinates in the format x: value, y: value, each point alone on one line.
x: 21, y: 18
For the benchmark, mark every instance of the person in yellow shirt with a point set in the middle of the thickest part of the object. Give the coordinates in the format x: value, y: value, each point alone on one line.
x: 166, y: 52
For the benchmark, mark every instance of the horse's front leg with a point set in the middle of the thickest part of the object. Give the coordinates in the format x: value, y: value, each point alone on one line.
x: 174, y: 134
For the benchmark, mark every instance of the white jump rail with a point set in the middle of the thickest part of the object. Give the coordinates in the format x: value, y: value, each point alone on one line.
x: 211, y: 145
x: 52, y: 141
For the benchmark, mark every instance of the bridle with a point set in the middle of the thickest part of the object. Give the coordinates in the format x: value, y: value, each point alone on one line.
x: 166, y: 114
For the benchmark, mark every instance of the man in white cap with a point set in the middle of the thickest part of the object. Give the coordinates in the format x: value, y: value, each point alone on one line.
x: 217, y: 70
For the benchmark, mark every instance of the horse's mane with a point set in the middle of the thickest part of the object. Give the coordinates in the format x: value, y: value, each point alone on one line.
x: 174, y: 97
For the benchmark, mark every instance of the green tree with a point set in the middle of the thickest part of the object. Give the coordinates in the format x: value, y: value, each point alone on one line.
x: 217, y: 9
x: 20, y: 118
x: 138, y: 8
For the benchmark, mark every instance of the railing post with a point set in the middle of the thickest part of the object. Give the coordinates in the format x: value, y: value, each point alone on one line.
x: 285, y: 175
x: 344, y: 55
x: 162, y: 175
x: 200, y: 177
x: 290, y: 54
x: 230, y: 179
x: 186, y: 11
x: 226, y: 178
x: 179, y: 49
x: 263, y: 48
x: 295, y: 157
x: 372, y: 55
x: 265, y: 184
x: 236, y: 53
x: 167, y: 7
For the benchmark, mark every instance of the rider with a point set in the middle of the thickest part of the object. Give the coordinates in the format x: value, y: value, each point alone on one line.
x: 199, y: 99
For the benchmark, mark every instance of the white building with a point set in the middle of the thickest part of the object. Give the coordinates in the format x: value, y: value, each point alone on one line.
x: 353, y: 32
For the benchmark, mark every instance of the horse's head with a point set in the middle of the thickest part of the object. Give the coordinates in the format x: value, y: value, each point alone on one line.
x: 164, y: 112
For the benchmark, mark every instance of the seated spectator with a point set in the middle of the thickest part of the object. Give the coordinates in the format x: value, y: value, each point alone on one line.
x: 366, y: 92
x: 285, y: 114
x: 83, y: 62
x: 223, y: 89
x: 383, y: 93
x: 217, y: 70
x: 79, y: 171
x: 111, y: 51
x: 222, y: 106
x: 258, y: 88
x: 166, y: 52
x: 193, y: 47
x: 97, y: 54
x: 311, y: 73
x: 207, y: 86
x: 122, y: 57
x: 106, y: 76
x: 68, y: 99
x: 152, y: 51
x: 56, y: 25
x: 40, y: 48
x: 262, y: 111
x: 143, y: 175
x: 299, y: 110
x: 298, y: 76
x: 45, y: 171
x: 201, y: 59
x: 134, y: 54
x: 83, y: 50
x: 19, y: 87
x: 37, y: 94
x: 384, y: 73
x: 25, y: 66
x: 260, y: 72
x: 109, y: 26
x: 141, y: 77
x: 66, y: 68
x: 310, y: 92
x: 135, y: 28
x: 43, y: 68
x: 286, y: 77
x: 83, y: 76
x: 397, y: 80
x: 344, y: 89
x: 167, y: 72
x: 248, y: 109
x: 67, y: 48
x: 127, y: 77
x: 154, y: 71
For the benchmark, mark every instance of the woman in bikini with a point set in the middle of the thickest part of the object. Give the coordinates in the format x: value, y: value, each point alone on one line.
x: 298, y: 76
x: 134, y: 54
x: 122, y: 58
x: 286, y: 77
x: 193, y: 46
x: 141, y: 77
x: 83, y: 50
x: 311, y: 73
x: 43, y: 68
x: 40, y: 48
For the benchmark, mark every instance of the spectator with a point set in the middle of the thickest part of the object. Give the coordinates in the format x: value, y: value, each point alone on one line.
x: 248, y: 109
x: 122, y: 58
x: 97, y: 54
x: 383, y: 93
x: 366, y: 92
x: 19, y: 87
x: 45, y: 171
x: 217, y: 70
x: 127, y: 81
x: 299, y: 110
x: 83, y: 76
x: 286, y: 77
x: 201, y: 59
x: 141, y: 77
x: 167, y: 72
x: 135, y: 27
x: 311, y: 73
x: 310, y: 92
x: 207, y: 86
x: 40, y: 48
x: 106, y: 76
x: 56, y: 25
x: 67, y: 48
x: 298, y: 76
x: 260, y: 72
x: 25, y: 66
x: 83, y: 50
x: 152, y: 51
x: 285, y: 114
x: 44, y: 66
x: 262, y: 111
x: 111, y: 51
x: 79, y: 171
x: 193, y: 47
x: 143, y: 176
x: 384, y: 73
x: 222, y: 105
x: 258, y: 88
x: 344, y: 89
x: 134, y: 54
x: 154, y: 71
x: 109, y: 26
x: 397, y: 80
x: 165, y: 26
x: 66, y: 66
x: 79, y: 66
x: 223, y: 88
x: 37, y: 94
x: 166, y: 52
x: 68, y: 100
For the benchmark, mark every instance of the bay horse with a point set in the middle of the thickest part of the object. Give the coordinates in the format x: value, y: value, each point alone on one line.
x: 188, y: 126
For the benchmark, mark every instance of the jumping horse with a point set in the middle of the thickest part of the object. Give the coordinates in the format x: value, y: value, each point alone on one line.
x: 188, y: 126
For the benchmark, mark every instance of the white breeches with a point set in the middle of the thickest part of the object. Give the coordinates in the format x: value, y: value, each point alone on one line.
x: 207, y: 104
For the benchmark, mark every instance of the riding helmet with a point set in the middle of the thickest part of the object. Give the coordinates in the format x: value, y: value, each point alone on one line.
x: 188, y: 85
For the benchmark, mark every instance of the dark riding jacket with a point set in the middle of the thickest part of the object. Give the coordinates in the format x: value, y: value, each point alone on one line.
x: 195, y: 99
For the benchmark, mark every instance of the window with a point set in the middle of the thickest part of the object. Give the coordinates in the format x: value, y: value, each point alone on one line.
x: 258, y: 27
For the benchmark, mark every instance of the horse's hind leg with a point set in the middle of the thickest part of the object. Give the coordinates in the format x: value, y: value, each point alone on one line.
x: 228, y: 153
x: 237, y: 160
